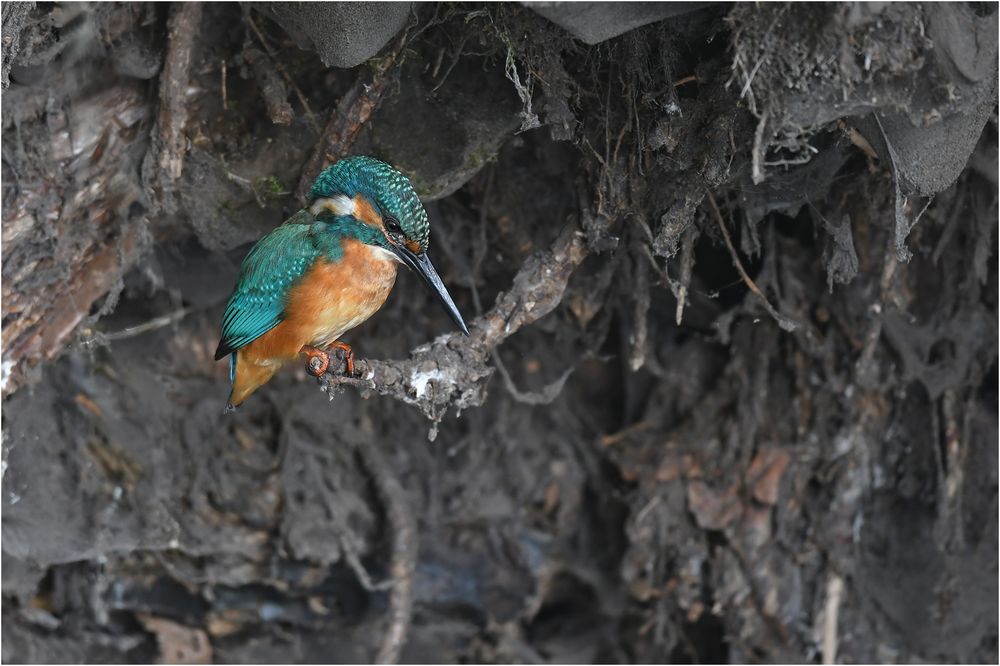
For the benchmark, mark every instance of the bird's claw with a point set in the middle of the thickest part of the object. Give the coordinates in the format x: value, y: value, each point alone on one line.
x: 319, y: 360
x: 318, y: 363
x: 348, y: 356
x: 318, y: 366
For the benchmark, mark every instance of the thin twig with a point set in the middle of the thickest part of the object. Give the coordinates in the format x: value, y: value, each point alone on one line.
x: 865, y: 368
x: 638, y: 337
x: 245, y: 184
x: 454, y: 61
x: 225, y: 94
x: 544, y: 397
x: 784, y: 322
x: 834, y: 591
x: 150, y: 325
x: 750, y: 77
x: 757, y: 157
x: 690, y: 235
x: 281, y: 68
x: 805, y: 159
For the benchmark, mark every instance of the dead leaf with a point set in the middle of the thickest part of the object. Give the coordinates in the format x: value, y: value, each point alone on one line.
x: 84, y: 401
x: 178, y: 644
x: 764, y: 474
x: 713, y: 509
x: 674, y: 467
x: 245, y: 439
x: 220, y: 625
x: 551, y: 497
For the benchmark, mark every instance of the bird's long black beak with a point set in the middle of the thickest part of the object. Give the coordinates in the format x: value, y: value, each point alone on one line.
x: 421, y: 263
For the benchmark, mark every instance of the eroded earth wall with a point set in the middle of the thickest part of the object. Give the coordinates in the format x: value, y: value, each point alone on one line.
x: 731, y: 389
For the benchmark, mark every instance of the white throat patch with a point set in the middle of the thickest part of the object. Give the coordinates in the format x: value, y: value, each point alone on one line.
x: 338, y: 205
x: 383, y: 254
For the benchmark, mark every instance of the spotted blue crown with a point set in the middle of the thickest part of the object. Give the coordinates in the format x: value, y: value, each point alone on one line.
x: 383, y: 186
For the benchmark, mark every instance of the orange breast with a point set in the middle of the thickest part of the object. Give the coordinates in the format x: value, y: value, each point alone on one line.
x: 330, y: 300
x: 333, y: 298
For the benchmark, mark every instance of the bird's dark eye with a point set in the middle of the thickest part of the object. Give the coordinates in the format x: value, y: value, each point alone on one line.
x: 392, y: 224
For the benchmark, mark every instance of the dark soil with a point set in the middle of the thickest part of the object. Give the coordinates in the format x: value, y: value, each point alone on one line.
x: 730, y: 394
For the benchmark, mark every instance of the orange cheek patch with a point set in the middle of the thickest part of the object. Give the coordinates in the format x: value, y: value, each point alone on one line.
x: 365, y: 212
x: 413, y: 246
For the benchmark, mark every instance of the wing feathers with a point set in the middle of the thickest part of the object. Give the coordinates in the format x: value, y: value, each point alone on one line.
x: 274, y: 265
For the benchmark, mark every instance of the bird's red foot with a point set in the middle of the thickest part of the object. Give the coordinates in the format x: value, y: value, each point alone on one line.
x: 348, y: 355
x: 319, y: 360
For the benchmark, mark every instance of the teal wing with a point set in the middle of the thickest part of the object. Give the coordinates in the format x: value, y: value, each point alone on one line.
x: 269, y: 271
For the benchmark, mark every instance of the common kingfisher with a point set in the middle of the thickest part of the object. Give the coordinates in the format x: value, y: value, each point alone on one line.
x: 326, y: 270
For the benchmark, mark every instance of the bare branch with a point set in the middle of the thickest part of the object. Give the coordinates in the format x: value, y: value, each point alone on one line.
x: 185, y: 18
x: 271, y: 86
x: 451, y: 371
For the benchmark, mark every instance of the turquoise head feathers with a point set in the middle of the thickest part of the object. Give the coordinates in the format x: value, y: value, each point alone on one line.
x: 385, y: 188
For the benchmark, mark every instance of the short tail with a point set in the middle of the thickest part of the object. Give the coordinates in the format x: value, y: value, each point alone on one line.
x: 246, y: 377
x: 230, y: 407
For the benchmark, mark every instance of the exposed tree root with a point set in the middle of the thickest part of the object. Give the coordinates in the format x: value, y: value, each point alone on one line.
x: 271, y: 85
x: 353, y: 110
x: 452, y: 369
x: 405, y: 547
x: 168, y: 154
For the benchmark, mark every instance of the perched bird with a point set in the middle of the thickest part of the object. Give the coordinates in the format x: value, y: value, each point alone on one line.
x: 327, y: 269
